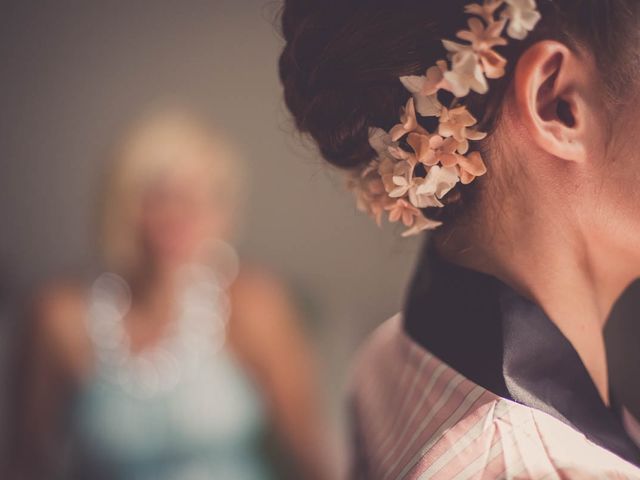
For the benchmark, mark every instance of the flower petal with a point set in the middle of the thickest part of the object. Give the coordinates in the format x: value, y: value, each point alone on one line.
x: 472, y: 165
x: 466, y: 74
x: 439, y: 181
x: 523, y: 17
x: 423, y: 200
x: 428, y: 106
x: 379, y: 140
x: 475, y: 134
x: 420, y: 225
x: 434, y: 77
x: 413, y: 83
x: 493, y: 64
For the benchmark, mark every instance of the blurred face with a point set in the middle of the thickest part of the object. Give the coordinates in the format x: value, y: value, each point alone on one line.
x: 179, y: 214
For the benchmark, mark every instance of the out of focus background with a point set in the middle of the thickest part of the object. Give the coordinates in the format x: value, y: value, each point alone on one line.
x: 74, y: 73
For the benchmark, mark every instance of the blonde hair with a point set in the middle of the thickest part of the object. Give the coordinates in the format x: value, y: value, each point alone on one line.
x: 158, y: 145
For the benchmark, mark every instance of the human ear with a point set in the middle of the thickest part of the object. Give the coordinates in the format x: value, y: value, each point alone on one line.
x: 550, y: 80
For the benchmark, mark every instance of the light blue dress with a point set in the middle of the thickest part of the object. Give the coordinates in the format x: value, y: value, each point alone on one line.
x: 182, y: 410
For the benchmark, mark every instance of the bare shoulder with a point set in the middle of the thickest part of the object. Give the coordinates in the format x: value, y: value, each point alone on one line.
x: 259, y: 292
x: 58, y: 303
x: 257, y: 281
x: 262, y: 308
x: 58, y: 313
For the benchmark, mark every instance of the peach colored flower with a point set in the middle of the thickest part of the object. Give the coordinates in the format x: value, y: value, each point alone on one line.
x: 424, y: 89
x: 385, y: 170
x: 389, y: 153
x: 370, y: 194
x: 431, y: 149
x: 408, y: 122
x: 523, y: 17
x: 377, y: 207
x: 420, y: 225
x: 471, y: 166
x: 483, y: 40
x: 481, y: 37
x: 400, y: 154
x: 455, y: 123
x: 403, y: 211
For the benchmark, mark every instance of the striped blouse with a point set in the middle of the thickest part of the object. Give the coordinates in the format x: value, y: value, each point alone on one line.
x: 417, y: 418
x: 474, y: 381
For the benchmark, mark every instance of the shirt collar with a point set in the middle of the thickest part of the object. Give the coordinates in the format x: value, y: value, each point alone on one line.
x: 507, y: 344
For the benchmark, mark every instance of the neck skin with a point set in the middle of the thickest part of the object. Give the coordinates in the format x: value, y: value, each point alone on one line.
x: 546, y: 255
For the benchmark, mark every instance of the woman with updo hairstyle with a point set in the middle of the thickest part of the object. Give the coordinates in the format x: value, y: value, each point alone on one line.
x: 505, y: 133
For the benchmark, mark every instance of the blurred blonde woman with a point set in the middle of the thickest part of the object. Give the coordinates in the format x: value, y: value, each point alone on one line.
x: 171, y: 365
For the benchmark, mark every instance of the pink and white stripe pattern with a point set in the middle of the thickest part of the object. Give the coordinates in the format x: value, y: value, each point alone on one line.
x: 417, y: 418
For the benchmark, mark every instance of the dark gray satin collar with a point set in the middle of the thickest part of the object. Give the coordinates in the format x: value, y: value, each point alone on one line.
x: 507, y: 344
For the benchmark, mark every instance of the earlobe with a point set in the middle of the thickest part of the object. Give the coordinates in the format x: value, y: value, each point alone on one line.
x: 548, y: 100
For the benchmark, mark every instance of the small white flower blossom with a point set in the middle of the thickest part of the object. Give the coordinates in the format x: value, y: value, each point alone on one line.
x: 523, y: 17
x: 420, y: 199
x: 424, y: 89
x: 466, y: 70
x: 439, y: 181
x: 402, y: 179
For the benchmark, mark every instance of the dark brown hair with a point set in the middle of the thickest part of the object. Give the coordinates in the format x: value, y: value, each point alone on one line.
x: 342, y: 60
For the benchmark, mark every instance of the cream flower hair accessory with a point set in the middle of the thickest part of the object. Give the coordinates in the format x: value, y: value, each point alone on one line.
x: 399, y: 181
